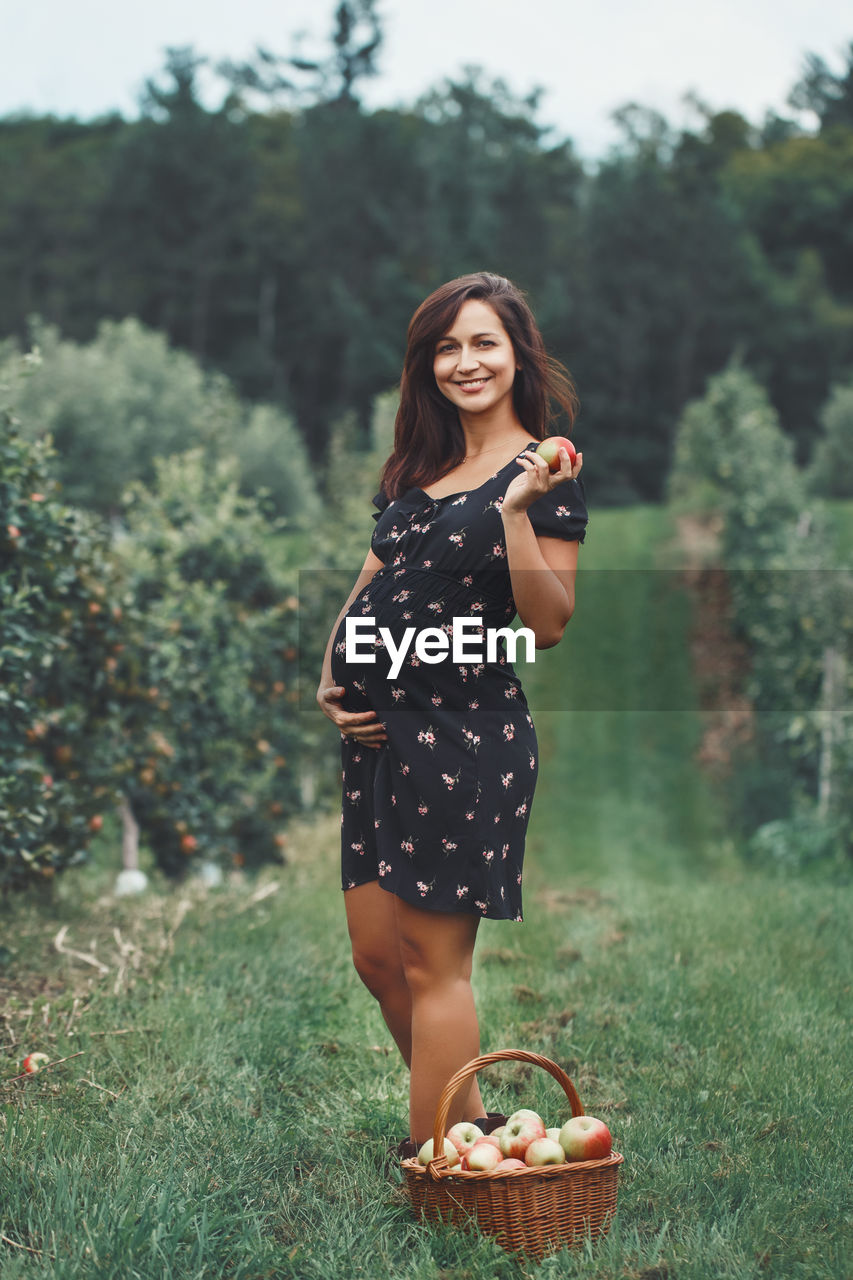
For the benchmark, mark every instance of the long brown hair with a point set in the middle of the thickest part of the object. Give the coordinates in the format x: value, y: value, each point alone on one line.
x: 428, y: 436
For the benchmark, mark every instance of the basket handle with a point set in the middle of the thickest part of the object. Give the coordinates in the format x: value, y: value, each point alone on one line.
x: 438, y: 1164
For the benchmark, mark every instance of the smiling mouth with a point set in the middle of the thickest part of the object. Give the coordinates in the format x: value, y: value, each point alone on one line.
x: 473, y: 383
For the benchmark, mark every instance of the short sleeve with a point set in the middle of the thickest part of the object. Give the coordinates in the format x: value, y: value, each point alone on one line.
x: 380, y: 500
x: 561, y: 513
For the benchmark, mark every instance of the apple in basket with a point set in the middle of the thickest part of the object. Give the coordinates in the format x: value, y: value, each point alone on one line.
x: 491, y: 1139
x: 518, y: 1135
x: 544, y: 1151
x: 524, y: 1114
x: 482, y: 1157
x: 585, y: 1138
x: 425, y: 1153
x: 509, y: 1163
x: 464, y: 1135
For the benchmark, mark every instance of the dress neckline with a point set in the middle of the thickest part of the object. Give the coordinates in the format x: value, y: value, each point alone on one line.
x: 493, y: 476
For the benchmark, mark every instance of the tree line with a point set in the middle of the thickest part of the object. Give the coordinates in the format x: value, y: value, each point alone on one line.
x: 284, y: 237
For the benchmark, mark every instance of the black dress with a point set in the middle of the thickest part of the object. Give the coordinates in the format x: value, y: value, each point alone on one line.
x: 439, y: 813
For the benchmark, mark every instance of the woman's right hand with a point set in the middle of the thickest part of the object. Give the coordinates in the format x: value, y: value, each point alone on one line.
x: 361, y: 725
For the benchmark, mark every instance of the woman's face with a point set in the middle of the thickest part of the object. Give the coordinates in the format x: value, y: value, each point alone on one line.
x: 474, y: 363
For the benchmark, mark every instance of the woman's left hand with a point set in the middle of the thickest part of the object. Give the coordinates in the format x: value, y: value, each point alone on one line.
x: 537, y: 479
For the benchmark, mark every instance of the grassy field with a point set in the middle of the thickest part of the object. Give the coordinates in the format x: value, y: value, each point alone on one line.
x: 235, y: 1089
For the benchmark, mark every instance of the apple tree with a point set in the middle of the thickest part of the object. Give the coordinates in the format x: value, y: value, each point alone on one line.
x: 831, y: 470
x: 60, y: 625
x: 206, y: 692
x: 792, y: 605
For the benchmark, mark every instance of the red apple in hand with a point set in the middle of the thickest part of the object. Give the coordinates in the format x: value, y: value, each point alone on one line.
x: 585, y: 1138
x: 550, y: 450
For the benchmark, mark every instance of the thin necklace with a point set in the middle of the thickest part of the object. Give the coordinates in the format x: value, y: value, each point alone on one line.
x: 482, y: 451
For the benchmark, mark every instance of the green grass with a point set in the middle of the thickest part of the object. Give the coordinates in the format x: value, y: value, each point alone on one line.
x: 700, y: 1005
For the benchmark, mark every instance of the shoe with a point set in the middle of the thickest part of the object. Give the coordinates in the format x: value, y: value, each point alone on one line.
x: 493, y: 1120
x: 406, y: 1149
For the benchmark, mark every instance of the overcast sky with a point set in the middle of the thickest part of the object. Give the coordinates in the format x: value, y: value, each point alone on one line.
x: 86, y: 57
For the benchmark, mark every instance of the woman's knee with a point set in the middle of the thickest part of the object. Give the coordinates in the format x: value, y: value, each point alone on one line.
x: 373, y: 936
x: 435, y: 951
x: 379, y: 968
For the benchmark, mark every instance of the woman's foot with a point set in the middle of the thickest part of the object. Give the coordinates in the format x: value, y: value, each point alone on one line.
x: 406, y: 1149
x: 492, y: 1120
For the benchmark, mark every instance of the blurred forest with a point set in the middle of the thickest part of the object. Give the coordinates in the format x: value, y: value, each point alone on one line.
x: 284, y: 238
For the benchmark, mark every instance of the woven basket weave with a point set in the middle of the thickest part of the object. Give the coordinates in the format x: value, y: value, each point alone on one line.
x: 532, y: 1211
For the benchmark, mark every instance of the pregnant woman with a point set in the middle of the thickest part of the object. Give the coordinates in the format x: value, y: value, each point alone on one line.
x: 439, y: 756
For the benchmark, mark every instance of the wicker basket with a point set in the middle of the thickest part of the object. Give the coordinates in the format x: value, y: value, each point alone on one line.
x: 532, y: 1211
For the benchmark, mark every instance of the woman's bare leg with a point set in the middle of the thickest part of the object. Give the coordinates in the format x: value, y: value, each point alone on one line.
x: 437, y: 954
x: 372, y: 919
x: 372, y: 924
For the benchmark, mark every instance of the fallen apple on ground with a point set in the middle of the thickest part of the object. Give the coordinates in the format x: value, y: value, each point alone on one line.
x: 33, y: 1061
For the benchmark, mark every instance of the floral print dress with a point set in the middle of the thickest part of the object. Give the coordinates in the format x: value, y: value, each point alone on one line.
x: 439, y: 813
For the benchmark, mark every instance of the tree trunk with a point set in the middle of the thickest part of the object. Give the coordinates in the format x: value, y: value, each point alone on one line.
x: 129, y: 837
x: 832, y: 713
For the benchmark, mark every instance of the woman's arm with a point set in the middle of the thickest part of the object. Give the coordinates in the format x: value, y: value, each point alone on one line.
x: 542, y: 570
x: 329, y: 694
